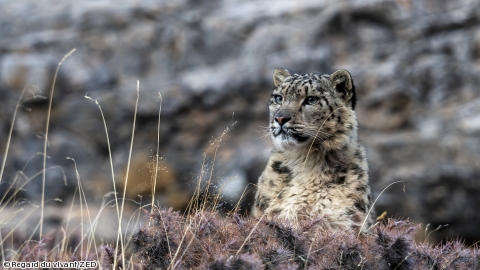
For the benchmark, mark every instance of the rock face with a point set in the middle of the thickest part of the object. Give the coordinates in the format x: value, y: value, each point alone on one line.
x: 415, y: 65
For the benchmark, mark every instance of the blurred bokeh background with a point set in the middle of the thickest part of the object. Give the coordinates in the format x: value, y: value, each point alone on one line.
x: 415, y: 64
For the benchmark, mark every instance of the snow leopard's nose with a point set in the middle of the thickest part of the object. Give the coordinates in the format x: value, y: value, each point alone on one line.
x: 282, y: 119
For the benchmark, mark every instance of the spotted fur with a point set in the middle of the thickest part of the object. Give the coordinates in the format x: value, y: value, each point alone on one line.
x: 317, y: 167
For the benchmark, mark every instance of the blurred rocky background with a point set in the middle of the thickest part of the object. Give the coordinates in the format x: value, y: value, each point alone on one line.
x: 416, y: 67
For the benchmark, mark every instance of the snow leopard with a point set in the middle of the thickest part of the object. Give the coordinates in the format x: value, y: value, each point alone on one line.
x: 318, y: 168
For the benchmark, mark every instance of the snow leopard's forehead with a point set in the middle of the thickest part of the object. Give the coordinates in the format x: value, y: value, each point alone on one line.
x: 298, y: 86
x: 337, y: 89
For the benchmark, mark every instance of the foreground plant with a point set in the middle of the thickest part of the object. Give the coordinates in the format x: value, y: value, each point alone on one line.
x: 206, y: 240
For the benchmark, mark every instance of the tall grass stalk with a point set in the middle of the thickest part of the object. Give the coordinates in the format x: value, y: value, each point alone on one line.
x: 156, y: 154
x: 46, y: 138
x: 10, y: 132
x: 119, y: 235
x: 373, y: 204
x: 112, y: 170
x: 68, y: 220
x: 81, y: 194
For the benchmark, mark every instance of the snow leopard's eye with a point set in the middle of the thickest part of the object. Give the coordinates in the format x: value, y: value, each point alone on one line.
x: 311, y: 100
x: 278, y: 99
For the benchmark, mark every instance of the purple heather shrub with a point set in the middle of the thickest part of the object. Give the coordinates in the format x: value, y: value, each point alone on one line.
x: 207, y: 240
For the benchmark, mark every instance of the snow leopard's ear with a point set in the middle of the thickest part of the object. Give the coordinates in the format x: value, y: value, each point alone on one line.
x: 279, y: 75
x: 342, y: 82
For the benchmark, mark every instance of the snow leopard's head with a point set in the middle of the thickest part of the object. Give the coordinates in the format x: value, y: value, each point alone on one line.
x: 312, y: 109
